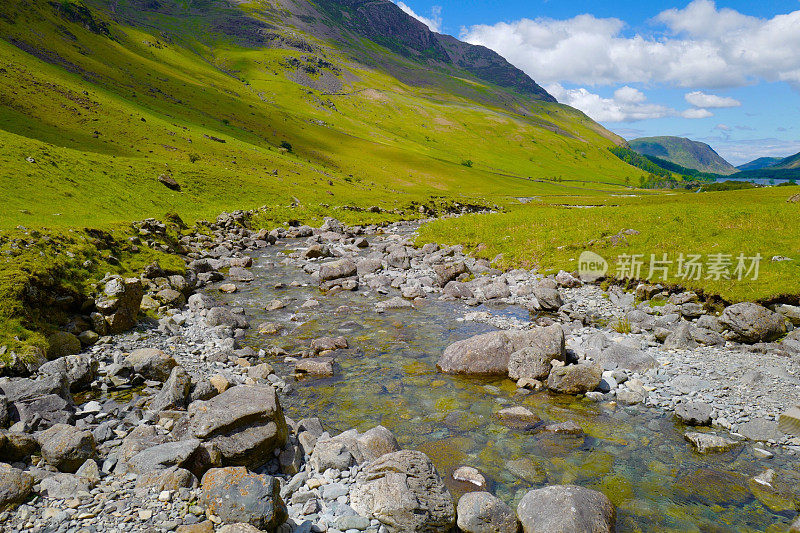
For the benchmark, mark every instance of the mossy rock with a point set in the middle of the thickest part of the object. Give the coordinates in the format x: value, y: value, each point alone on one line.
x: 713, y: 487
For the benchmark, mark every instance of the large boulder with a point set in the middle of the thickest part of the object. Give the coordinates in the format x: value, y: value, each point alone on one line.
x: 534, y: 361
x: 245, y: 423
x: 40, y: 402
x: 618, y: 355
x: 66, y: 447
x: 448, y: 272
x: 120, y: 303
x: 481, y: 512
x: 751, y: 323
x: 152, y: 363
x: 163, y: 456
x: 238, y: 496
x: 175, y: 392
x: 566, y: 509
x: 222, y: 316
x: 404, y: 491
x: 376, y: 442
x: 15, y: 486
x: 80, y: 370
x: 549, y: 299
x: 487, y: 354
x: 575, y: 379
x: 343, y: 268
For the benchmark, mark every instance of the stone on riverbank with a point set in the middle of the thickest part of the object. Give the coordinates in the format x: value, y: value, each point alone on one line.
x: 534, y: 361
x: 575, y: 379
x: 66, y: 447
x: 238, y: 496
x: 404, y: 491
x: 245, y: 423
x: 489, y: 354
x: 481, y: 512
x: 708, y: 443
x: 15, y: 486
x: 566, y: 509
x: 152, y: 363
x: 751, y: 323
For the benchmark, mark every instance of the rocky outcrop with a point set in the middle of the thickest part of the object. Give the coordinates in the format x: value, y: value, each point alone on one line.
x: 119, y: 303
x: 245, y: 423
x: 404, y: 491
x: 534, y: 361
x: 566, y: 509
x: 751, y: 323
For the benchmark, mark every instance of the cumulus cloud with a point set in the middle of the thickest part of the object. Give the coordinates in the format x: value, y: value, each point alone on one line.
x: 703, y: 46
x: 627, y: 105
x: 434, y: 22
x: 697, y: 113
x: 701, y: 99
x: 741, y: 151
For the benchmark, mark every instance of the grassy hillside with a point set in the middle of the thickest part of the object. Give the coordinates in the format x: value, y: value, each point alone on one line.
x: 761, y: 162
x: 243, y: 105
x: 104, y: 113
x: 685, y: 152
x: 791, y: 162
x: 553, y: 237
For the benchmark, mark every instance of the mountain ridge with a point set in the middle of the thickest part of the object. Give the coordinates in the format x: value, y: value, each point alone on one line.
x: 685, y: 152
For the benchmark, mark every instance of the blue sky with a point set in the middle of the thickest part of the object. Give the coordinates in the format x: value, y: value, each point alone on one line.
x: 726, y: 72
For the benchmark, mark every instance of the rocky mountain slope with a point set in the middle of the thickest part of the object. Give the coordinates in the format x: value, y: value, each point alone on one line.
x: 684, y: 152
x: 788, y: 163
x: 246, y: 104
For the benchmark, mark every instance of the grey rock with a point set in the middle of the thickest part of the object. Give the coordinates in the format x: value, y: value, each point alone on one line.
x: 342, y: 268
x: 66, y: 447
x: 152, y: 363
x: 566, y: 509
x: 681, y: 338
x: 245, y: 423
x: 708, y: 443
x: 403, y: 490
x: 760, y: 429
x: 694, y: 413
x: 751, y: 323
x: 222, y: 316
x: 575, y: 379
x: 200, y: 301
x: 448, y: 272
x: 534, y: 361
x: 238, y: 496
x: 481, y: 512
x: 175, y: 393
x: 80, y: 370
x: 376, y: 443
x: 456, y: 289
x: 15, y: 486
x: 486, y: 354
x: 62, y: 486
x: 240, y: 274
x: 549, y: 299
x: 163, y: 456
x: 619, y: 355
x: 120, y: 303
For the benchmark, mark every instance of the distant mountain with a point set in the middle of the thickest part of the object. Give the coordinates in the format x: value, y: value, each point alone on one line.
x: 684, y: 152
x: 761, y: 162
x: 790, y: 162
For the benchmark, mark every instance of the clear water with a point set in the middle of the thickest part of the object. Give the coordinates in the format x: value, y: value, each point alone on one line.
x: 635, y: 455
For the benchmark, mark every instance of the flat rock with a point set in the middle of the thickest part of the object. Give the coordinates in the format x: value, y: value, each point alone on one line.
x: 708, y: 443
x: 694, y: 413
x: 575, y: 379
x: 238, y: 496
x: 751, y: 323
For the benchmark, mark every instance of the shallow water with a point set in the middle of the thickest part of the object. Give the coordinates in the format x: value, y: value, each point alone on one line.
x: 635, y: 455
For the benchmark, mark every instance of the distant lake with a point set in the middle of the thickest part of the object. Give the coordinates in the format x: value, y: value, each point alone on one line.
x: 758, y: 181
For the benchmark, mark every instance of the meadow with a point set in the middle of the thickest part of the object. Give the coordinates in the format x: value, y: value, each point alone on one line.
x: 717, y: 226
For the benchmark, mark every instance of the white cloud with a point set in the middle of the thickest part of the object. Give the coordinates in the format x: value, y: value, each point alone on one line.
x: 696, y: 113
x: 703, y: 47
x: 701, y: 99
x: 722, y: 127
x: 434, y: 22
x: 627, y: 105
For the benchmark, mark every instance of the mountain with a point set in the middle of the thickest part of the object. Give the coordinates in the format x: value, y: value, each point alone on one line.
x: 684, y: 152
x: 790, y: 162
x: 761, y: 162
x: 305, y: 106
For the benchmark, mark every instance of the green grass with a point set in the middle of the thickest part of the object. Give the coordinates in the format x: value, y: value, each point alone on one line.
x: 757, y: 221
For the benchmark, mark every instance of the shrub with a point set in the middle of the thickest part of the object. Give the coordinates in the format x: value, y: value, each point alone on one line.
x: 467, y: 163
x: 286, y: 145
